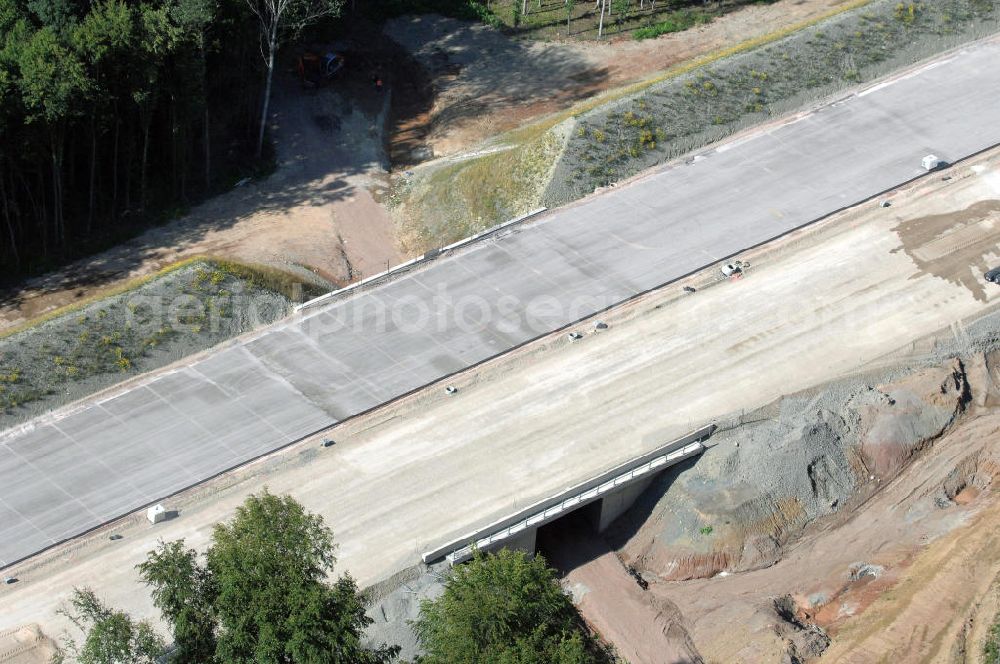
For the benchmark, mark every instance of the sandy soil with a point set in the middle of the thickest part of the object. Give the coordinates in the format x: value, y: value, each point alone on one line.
x: 426, y: 468
x: 642, y: 629
x: 315, y: 212
x: 487, y: 84
x: 25, y: 645
x: 938, y: 562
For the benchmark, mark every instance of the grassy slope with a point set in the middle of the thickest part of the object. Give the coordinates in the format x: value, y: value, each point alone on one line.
x: 630, y: 129
x: 139, y: 326
x: 445, y: 202
x: 676, y: 116
x: 457, y: 200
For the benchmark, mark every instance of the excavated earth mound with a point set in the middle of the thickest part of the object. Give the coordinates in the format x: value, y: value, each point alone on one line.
x: 763, y: 481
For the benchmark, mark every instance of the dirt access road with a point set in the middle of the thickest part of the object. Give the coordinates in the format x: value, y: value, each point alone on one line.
x: 314, y: 213
x: 410, y: 475
x: 642, y: 629
x: 485, y: 83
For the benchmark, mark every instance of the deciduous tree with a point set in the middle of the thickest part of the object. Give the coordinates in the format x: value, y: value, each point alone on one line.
x: 52, y: 81
x: 183, y: 591
x: 278, y: 20
x: 504, y: 608
x: 112, y: 637
x: 262, y: 594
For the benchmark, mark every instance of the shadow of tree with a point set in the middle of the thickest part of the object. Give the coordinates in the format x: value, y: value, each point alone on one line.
x: 476, y: 69
x: 316, y: 158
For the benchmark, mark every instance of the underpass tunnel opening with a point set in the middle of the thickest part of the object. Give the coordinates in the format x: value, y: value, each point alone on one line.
x: 591, y: 506
x: 571, y: 541
x: 604, y: 525
x: 574, y: 525
x: 576, y: 537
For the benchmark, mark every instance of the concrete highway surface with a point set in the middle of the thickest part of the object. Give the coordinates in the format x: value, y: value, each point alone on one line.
x: 66, y: 473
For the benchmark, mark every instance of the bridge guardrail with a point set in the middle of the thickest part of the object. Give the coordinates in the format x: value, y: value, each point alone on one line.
x: 681, y: 448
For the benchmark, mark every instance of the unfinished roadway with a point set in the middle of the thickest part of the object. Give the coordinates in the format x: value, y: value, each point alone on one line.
x: 851, y: 292
x: 80, y: 467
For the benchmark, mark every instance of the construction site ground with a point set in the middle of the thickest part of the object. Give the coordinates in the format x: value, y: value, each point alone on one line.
x: 316, y: 214
x: 822, y: 303
x: 343, y: 357
x: 485, y: 83
x: 909, y: 576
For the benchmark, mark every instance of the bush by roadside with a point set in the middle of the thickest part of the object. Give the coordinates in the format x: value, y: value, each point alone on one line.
x: 991, y: 649
x: 675, y: 22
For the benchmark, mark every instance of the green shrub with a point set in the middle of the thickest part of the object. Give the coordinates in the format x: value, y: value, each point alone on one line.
x: 678, y: 22
x: 991, y: 649
x: 504, y: 607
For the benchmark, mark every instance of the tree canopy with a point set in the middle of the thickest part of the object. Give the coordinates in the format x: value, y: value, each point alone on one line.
x: 113, y: 111
x: 261, y: 594
x: 112, y: 637
x: 504, y: 608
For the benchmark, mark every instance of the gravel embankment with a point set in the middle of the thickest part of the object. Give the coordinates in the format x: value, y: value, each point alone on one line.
x: 618, y: 140
x: 103, y: 343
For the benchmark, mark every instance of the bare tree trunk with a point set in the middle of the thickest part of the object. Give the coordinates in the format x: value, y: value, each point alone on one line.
x: 174, y: 151
x: 10, y: 224
x: 145, y: 162
x: 208, y: 153
x: 37, y: 214
x: 41, y: 212
x: 129, y: 164
x: 600, y: 25
x: 93, y: 172
x: 56, y: 192
x: 114, y: 170
x: 272, y: 45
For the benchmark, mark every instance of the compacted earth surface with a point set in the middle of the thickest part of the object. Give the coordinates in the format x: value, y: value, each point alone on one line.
x: 831, y: 475
x: 844, y: 511
x: 449, y: 86
x: 854, y: 522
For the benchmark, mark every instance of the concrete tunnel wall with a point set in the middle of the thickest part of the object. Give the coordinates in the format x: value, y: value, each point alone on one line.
x: 601, y: 514
x: 616, y: 504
